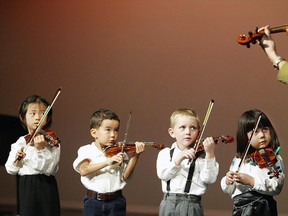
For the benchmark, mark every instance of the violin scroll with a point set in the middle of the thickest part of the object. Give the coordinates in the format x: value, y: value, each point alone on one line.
x: 251, y: 38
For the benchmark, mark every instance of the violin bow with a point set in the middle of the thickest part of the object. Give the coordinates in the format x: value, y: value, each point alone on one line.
x: 41, y: 120
x: 210, y: 106
x: 250, y: 140
x: 124, y: 142
x: 205, y: 122
x: 126, y: 131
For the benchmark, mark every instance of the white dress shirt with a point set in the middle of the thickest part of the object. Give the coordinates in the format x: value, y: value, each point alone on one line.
x: 262, y: 181
x: 108, y: 179
x: 206, y: 172
x: 35, y: 162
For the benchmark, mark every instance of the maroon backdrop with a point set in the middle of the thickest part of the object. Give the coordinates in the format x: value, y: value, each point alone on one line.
x: 150, y: 57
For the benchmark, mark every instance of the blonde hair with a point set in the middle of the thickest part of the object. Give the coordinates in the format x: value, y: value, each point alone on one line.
x: 183, y: 112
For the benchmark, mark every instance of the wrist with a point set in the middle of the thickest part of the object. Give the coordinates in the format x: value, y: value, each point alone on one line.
x: 136, y: 155
x: 277, y: 61
x: 209, y: 155
x: 273, y: 57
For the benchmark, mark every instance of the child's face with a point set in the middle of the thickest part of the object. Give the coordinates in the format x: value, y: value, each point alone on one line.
x: 185, y: 131
x: 261, y: 138
x: 107, y: 133
x: 33, y: 115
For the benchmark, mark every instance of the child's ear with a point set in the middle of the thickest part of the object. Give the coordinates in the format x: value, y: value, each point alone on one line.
x: 21, y: 119
x: 93, y: 132
x: 171, y: 132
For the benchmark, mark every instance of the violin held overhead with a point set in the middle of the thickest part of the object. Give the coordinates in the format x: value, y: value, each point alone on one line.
x: 257, y: 36
x: 129, y: 147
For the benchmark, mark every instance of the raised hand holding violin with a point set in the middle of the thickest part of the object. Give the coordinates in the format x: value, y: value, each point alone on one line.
x: 116, y: 159
x: 253, y: 37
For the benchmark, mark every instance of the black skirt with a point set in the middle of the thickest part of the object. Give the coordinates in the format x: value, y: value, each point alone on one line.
x: 254, y: 204
x: 38, y: 195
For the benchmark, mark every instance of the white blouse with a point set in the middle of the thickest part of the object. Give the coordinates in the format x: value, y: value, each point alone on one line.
x: 262, y: 181
x: 35, y: 162
x: 206, y: 172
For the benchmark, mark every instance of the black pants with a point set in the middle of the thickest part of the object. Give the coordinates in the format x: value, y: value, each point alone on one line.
x: 38, y: 195
x: 254, y: 204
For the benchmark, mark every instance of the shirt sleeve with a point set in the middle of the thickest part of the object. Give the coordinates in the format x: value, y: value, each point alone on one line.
x: 283, y: 73
x: 12, y: 156
x: 210, y: 170
x: 228, y: 189
x: 43, y: 161
x: 46, y: 161
x: 82, y: 154
x: 166, y: 168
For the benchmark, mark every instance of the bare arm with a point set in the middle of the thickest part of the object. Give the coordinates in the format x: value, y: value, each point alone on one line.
x: 140, y: 147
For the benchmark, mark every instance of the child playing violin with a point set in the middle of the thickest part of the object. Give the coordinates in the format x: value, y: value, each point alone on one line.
x: 182, y: 186
x: 253, y: 185
x: 36, y: 162
x: 103, y: 176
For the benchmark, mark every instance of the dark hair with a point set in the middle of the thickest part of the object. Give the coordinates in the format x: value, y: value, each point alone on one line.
x: 100, y: 115
x: 246, y: 124
x: 24, y: 107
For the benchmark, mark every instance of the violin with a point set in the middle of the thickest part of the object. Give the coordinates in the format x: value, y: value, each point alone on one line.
x: 266, y: 158
x: 50, y: 137
x: 129, y: 147
x: 223, y: 139
x: 257, y: 35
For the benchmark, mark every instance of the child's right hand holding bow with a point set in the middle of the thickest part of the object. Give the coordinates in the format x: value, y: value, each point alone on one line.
x: 116, y: 159
x: 185, y: 154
